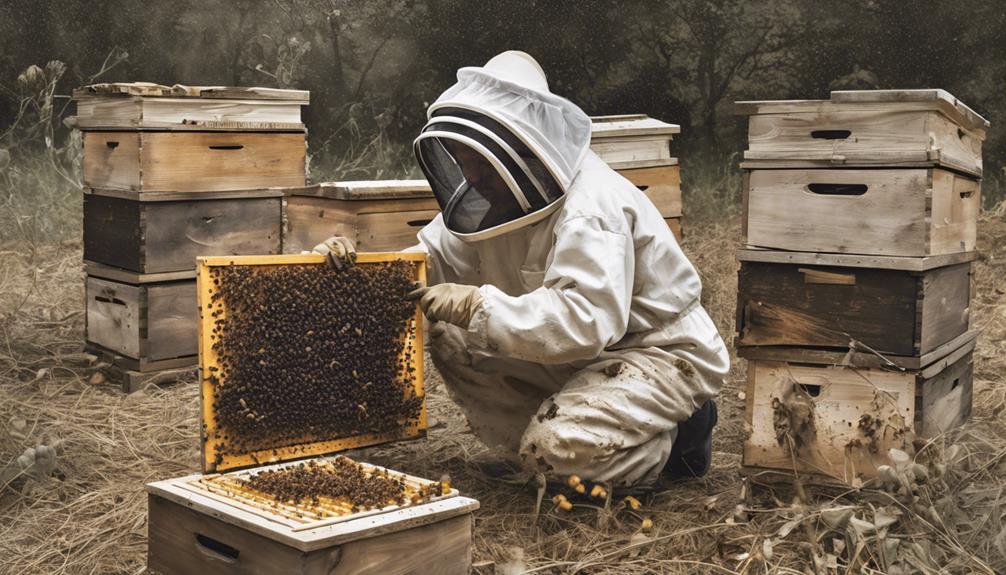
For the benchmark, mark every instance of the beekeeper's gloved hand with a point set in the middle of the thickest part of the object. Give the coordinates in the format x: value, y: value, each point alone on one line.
x: 453, y: 303
x: 340, y: 251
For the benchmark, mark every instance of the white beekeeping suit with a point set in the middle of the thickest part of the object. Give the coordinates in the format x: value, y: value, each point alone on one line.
x: 582, y: 343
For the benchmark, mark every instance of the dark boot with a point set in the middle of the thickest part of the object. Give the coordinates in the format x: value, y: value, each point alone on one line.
x: 692, y: 452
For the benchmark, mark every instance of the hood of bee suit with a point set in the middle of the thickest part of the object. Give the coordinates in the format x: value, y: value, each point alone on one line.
x: 499, y: 149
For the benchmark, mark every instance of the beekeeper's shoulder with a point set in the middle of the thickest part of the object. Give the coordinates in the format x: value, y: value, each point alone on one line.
x: 600, y: 193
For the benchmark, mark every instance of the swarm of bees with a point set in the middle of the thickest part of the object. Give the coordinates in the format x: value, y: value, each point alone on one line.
x: 338, y: 478
x: 305, y: 352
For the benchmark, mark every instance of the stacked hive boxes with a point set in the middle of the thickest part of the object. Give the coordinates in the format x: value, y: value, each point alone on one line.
x: 860, y: 218
x: 171, y: 173
x: 387, y: 215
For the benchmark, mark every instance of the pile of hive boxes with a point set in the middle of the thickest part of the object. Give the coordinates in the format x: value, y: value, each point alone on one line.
x: 171, y: 173
x: 860, y: 218
x: 387, y: 215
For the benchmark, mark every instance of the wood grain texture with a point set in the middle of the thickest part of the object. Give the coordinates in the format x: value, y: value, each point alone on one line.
x: 782, y: 304
x: 130, y: 277
x: 930, y: 363
x: 631, y: 151
x: 114, y: 312
x: 662, y: 185
x: 383, y: 224
x: 323, y: 537
x: 151, y: 90
x: 854, y: 260
x: 628, y: 125
x: 954, y: 213
x: 193, y: 161
x: 171, y: 321
x: 189, y: 114
x: 874, y: 138
x: 907, y: 405
x: 157, y: 237
x: 184, y: 541
x: 840, y: 397
x: 788, y: 211
x: 149, y: 322
x: 113, y: 232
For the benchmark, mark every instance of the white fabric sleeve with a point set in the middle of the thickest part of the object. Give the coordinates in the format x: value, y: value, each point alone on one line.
x: 581, y: 308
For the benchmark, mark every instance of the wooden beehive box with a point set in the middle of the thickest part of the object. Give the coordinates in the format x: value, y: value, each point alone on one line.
x: 381, y: 215
x: 148, y: 321
x: 837, y: 415
x: 895, y: 305
x: 165, y: 231
x: 866, y: 128
x: 210, y: 523
x: 150, y: 138
x: 632, y: 141
x: 880, y: 211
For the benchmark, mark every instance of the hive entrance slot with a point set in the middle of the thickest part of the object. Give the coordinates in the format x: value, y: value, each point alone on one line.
x: 112, y: 145
x: 229, y: 147
x: 418, y: 223
x: 218, y: 549
x: 838, y: 189
x: 111, y: 300
x: 830, y: 134
x: 811, y: 389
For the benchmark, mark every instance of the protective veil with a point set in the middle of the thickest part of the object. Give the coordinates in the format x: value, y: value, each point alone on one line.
x: 590, y: 344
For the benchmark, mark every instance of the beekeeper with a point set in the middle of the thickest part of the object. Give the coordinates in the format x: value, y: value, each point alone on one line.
x: 565, y: 318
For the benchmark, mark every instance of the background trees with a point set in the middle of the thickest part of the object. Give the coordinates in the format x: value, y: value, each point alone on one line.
x: 373, y: 67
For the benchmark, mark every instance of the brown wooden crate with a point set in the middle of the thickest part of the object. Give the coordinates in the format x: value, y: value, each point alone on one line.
x: 887, y: 212
x: 167, y: 236
x: 661, y: 184
x: 844, y: 401
x: 146, y: 322
x: 193, y: 161
x: 894, y: 312
x: 384, y: 224
x: 184, y: 540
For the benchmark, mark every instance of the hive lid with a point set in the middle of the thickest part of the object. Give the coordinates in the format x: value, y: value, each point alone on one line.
x: 903, y: 263
x: 217, y: 453
x: 368, y: 190
x: 889, y: 100
x: 149, y: 89
x: 629, y: 125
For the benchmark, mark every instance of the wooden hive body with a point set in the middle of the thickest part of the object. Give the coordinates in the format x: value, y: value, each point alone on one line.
x: 165, y: 232
x: 148, y: 319
x: 859, y: 406
x: 145, y: 106
x: 868, y: 128
x: 883, y: 211
x: 376, y: 215
x: 206, y: 523
x: 900, y: 306
x: 632, y: 141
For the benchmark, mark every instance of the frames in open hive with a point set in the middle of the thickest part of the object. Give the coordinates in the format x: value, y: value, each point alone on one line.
x: 306, y: 495
x: 298, y: 359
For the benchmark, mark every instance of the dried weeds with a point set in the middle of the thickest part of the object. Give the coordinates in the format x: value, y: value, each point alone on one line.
x: 940, y: 511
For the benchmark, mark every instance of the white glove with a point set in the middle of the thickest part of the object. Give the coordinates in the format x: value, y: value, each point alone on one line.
x: 340, y: 251
x: 453, y: 303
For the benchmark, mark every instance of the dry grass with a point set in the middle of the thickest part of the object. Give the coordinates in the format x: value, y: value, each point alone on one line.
x: 90, y: 516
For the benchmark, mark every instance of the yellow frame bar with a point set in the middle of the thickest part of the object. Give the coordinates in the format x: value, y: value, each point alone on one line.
x: 208, y: 357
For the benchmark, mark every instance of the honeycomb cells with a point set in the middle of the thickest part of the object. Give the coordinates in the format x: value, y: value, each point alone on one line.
x: 308, y: 353
x: 339, y: 478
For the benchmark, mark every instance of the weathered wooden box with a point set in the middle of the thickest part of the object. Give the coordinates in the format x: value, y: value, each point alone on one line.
x: 149, y: 319
x: 866, y: 128
x: 662, y: 184
x: 883, y: 211
x: 176, y: 161
x: 895, y: 305
x: 165, y: 231
x: 383, y: 215
x: 191, y: 531
x: 212, y: 523
x: 837, y: 415
x: 632, y: 141
x: 146, y: 106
